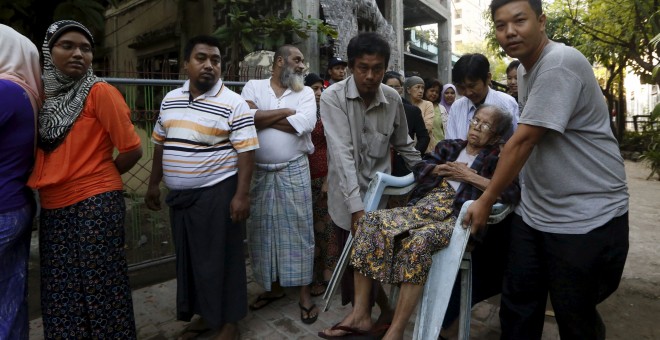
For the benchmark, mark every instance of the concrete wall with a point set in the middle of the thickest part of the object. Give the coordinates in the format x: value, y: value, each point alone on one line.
x: 169, y: 27
x: 346, y: 16
x: 165, y: 27
x: 132, y: 19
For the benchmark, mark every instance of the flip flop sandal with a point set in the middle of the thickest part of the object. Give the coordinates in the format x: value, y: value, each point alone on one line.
x: 308, y: 320
x: 351, y: 333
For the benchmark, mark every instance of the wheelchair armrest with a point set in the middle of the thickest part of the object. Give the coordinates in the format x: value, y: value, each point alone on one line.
x: 386, y: 184
x: 497, y: 213
x: 394, y: 181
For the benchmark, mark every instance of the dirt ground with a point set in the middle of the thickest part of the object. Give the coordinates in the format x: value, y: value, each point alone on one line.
x: 633, y: 311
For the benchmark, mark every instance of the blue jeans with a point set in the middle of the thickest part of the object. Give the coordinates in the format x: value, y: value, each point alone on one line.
x: 15, y: 230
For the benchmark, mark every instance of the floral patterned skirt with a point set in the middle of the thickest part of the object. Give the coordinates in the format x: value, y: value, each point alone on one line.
x: 85, y: 293
x: 397, y: 245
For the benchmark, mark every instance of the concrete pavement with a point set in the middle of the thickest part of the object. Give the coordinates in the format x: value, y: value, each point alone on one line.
x: 155, y: 305
x: 155, y: 316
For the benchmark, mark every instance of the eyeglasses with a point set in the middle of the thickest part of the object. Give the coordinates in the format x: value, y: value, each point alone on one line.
x: 396, y: 87
x: 70, y: 47
x: 477, y: 123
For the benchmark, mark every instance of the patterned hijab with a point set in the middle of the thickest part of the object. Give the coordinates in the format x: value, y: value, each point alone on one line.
x: 65, y: 96
x: 442, y: 96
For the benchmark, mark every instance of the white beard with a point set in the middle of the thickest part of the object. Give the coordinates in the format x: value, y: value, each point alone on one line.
x: 291, y: 79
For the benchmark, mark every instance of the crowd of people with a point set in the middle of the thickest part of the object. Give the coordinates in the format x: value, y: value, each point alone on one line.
x: 291, y: 157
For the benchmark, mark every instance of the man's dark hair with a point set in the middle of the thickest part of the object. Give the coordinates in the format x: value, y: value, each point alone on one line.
x: 393, y: 75
x: 367, y: 43
x: 200, y: 39
x: 513, y: 66
x: 536, y: 5
x: 472, y: 66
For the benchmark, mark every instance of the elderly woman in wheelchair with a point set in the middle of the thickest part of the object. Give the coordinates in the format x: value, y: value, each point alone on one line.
x: 396, y: 245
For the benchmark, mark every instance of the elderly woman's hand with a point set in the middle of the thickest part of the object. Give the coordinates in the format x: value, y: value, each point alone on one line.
x: 454, y: 171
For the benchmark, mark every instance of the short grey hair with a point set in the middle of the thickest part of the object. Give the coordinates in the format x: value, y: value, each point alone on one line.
x: 503, y: 121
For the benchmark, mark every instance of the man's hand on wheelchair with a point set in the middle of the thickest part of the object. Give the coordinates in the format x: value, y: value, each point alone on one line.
x: 476, y: 216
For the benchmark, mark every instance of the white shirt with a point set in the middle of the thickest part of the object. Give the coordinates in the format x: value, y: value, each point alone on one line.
x: 463, y: 157
x: 463, y: 110
x: 277, y: 146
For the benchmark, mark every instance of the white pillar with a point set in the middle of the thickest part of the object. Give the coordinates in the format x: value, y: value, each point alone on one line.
x: 394, y: 14
x: 444, y: 51
x: 309, y: 47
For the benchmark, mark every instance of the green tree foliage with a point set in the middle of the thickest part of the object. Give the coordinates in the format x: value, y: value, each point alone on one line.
x: 613, y: 33
x: 429, y: 36
x: 260, y: 25
x: 498, y: 64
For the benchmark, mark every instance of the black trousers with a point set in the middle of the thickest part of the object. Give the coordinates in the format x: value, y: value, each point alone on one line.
x: 578, y: 271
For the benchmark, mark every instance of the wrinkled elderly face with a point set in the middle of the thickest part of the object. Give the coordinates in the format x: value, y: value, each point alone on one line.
x: 482, y: 128
x: 416, y: 92
x: 72, y: 54
x: 292, y: 70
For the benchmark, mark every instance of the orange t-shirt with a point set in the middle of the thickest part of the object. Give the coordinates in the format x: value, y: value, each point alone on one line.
x: 82, y: 166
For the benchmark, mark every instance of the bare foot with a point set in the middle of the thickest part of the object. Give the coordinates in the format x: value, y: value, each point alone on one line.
x: 194, y: 329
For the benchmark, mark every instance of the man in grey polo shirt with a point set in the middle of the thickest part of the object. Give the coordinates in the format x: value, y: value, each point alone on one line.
x: 569, y: 237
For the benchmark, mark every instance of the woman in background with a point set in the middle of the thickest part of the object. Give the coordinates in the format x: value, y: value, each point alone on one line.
x: 440, y: 114
x: 416, y: 130
x: 326, y: 237
x: 447, y: 98
x: 414, y: 93
x: 20, y: 95
x: 85, y: 291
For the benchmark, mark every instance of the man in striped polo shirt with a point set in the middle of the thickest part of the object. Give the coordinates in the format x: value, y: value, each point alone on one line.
x: 204, y: 151
x: 280, y: 228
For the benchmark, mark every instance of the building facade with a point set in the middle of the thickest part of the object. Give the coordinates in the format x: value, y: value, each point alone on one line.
x: 145, y: 37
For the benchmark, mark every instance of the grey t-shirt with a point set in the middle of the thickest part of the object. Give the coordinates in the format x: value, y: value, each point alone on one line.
x: 574, y: 179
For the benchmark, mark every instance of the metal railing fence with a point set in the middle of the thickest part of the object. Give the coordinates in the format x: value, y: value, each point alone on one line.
x: 148, y: 233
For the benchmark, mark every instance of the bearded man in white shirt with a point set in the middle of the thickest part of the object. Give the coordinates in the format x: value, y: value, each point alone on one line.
x: 280, y: 227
